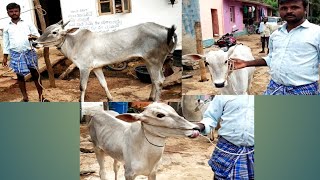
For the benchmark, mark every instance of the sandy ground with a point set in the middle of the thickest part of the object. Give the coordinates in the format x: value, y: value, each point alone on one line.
x: 183, y: 159
x: 121, y: 88
x: 261, y: 77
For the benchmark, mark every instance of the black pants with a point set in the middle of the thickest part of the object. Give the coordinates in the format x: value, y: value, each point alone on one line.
x: 265, y: 40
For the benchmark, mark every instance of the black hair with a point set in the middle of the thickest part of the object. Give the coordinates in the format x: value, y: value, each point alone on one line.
x: 13, y: 6
x: 304, y: 2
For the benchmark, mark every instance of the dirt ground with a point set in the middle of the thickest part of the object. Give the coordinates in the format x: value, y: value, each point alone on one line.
x: 123, y: 86
x: 261, y: 77
x: 183, y: 159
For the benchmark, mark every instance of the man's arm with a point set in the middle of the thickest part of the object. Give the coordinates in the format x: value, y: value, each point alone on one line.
x: 239, y: 64
x: 33, y: 31
x: 5, y: 48
x: 211, y: 115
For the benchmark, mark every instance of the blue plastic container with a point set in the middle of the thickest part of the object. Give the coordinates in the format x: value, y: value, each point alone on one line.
x: 120, y: 107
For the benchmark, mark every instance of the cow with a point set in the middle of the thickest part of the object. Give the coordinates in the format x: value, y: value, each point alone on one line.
x: 136, y: 139
x: 93, y: 50
x: 230, y: 81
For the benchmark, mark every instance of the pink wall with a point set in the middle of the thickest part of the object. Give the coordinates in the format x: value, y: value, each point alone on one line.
x: 238, y: 16
x: 206, y: 18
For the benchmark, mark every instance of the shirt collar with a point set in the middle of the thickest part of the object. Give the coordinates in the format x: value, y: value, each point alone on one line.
x: 21, y: 20
x: 305, y: 24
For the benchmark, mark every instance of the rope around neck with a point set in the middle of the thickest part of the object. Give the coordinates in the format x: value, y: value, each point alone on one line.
x: 144, y: 133
x: 39, y: 74
x: 227, y: 151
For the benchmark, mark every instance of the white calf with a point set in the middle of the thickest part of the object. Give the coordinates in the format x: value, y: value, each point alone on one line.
x: 231, y: 82
x: 139, y: 144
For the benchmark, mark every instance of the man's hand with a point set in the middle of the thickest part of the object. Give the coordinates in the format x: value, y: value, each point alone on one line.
x: 32, y: 37
x: 238, y: 63
x: 201, y: 126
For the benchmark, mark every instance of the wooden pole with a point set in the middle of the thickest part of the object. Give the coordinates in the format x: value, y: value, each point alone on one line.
x: 197, y: 27
x: 46, y: 49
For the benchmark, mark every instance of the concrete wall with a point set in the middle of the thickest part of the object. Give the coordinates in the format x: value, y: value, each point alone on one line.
x: 190, y: 15
x: 206, y: 20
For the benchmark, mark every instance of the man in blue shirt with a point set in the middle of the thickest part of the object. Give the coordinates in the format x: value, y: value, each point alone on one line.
x: 294, y: 53
x: 23, y: 59
x: 233, y: 157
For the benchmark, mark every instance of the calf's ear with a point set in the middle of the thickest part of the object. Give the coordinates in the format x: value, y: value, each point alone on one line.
x: 72, y: 30
x: 195, y: 57
x: 128, y: 117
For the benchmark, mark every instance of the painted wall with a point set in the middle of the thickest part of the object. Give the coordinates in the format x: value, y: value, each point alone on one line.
x: 190, y: 15
x: 238, y: 16
x: 25, y: 5
x: 84, y: 14
x: 206, y: 19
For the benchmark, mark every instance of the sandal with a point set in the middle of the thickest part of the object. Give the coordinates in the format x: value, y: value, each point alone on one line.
x: 44, y: 100
x: 24, y: 100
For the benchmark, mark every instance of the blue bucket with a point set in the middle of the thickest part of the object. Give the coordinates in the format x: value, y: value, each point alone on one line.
x: 120, y: 107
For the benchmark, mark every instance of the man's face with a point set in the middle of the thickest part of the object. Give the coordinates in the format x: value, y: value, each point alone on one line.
x: 14, y: 13
x: 292, y: 12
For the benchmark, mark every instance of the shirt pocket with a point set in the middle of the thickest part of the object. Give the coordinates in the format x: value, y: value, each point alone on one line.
x: 279, y: 42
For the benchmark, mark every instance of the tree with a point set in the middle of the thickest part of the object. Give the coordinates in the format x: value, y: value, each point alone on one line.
x: 273, y: 3
x: 314, y: 11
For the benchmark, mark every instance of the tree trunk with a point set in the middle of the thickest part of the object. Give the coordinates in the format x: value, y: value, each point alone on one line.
x: 46, y: 49
x: 197, y: 27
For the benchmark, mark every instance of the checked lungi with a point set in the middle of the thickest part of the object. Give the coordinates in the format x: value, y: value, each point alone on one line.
x: 278, y: 89
x: 21, y: 62
x: 232, y: 167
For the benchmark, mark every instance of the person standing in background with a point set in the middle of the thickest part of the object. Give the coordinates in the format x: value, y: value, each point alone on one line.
x: 265, y: 30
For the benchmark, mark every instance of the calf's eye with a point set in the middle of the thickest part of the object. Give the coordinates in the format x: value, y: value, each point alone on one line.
x: 160, y: 115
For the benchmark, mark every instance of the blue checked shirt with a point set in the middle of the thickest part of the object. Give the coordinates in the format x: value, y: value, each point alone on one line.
x: 15, y: 36
x: 294, y: 56
x: 237, y: 118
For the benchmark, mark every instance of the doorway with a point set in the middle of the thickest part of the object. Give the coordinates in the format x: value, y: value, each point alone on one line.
x: 215, y: 22
x: 52, y: 12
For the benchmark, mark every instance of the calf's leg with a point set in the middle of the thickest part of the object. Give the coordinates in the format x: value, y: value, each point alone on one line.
x: 99, y: 73
x: 128, y: 173
x: 157, y: 79
x: 115, y: 169
x: 152, y: 175
x: 100, y: 157
x: 84, y: 76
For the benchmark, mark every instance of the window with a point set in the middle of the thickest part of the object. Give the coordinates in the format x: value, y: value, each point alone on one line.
x: 232, y: 16
x: 114, y: 6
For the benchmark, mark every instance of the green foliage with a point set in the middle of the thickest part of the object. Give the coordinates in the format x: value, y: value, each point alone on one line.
x: 314, y: 11
x: 273, y: 3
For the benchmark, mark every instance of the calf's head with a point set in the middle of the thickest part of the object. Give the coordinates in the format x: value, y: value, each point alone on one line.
x: 161, y: 119
x: 218, y: 66
x: 52, y: 36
